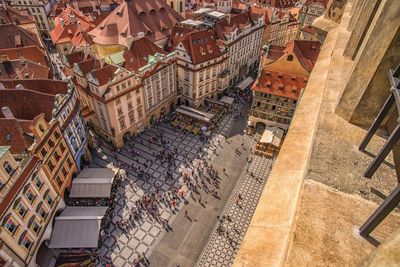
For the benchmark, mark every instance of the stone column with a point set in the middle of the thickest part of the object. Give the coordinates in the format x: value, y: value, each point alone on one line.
x: 367, y: 85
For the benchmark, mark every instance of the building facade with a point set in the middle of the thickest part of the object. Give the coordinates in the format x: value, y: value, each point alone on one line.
x: 40, y: 9
x: 28, y: 205
x: 202, y: 67
x: 284, y: 74
x: 310, y: 10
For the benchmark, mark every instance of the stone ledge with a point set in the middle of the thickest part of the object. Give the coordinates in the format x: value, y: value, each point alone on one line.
x: 267, y: 240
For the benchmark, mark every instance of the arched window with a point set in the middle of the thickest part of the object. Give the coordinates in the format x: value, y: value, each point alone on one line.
x: 172, y: 4
x: 181, y: 6
x: 289, y: 58
x: 8, y: 168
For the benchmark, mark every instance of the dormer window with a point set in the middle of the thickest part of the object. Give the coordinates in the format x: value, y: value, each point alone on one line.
x: 289, y: 58
x: 281, y: 86
x: 202, y: 51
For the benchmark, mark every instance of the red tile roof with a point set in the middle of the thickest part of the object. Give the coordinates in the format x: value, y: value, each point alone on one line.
x: 201, y: 46
x: 137, y: 56
x: 10, y: 15
x: 275, y: 52
x: 32, y: 53
x: 15, y: 36
x: 155, y: 18
x: 306, y: 51
x: 52, y: 87
x: 236, y: 21
x: 71, y: 26
x: 15, y: 133
x: 178, y: 34
x: 89, y: 64
x: 105, y: 74
x: 74, y: 57
x: 23, y: 69
x: 27, y: 104
x: 280, y: 84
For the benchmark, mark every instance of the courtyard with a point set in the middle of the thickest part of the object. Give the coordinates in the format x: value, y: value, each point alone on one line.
x: 215, y: 182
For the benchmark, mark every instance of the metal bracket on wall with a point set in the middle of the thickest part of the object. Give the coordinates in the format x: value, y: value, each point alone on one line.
x: 394, y: 197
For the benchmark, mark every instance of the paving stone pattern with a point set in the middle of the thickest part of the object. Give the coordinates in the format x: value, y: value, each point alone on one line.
x: 227, y: 235
x: 122, y: 246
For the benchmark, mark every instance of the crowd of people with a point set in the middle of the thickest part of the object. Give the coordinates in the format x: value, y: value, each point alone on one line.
x: 194, y: 173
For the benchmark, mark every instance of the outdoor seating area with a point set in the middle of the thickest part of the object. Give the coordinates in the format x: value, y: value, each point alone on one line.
x: 192, y: 120
x: 270, y: 142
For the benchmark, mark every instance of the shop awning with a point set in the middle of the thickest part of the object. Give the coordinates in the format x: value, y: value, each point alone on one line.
x: 227, y: 100
x: 96, y: 173
x: 77, y: 227
x: 272, y: 136
x: 91, y: 187
x: 197, y: 116
x: 198, y: 112
x: 245, y: 83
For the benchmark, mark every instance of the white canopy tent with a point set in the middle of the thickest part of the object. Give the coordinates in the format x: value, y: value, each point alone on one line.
x: 245, y: 83
x: 96, y: 173
x: 194, y: 113
x: 77, y: 227
x: 91, y: 187
x: 93, y: 183
x: 227, y: 100
x: 272, y: 136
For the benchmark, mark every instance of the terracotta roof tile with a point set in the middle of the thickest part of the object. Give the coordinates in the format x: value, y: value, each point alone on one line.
x: 306, y: 51
x: 14, y: 133
x: 103, y: 75
x: 52, y: 87
x: 280, y: 84
x: 155, y: 18
x: 202, y: 46
x: 32, y: 53
x: 10, y: 15
x: 23, y: 69
x: 71, y: 26
x: 15, y: 36
x: 137, y: 56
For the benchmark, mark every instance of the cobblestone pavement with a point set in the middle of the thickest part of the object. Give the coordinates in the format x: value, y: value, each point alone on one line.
x: 124, y: 246
x: 228, y: 234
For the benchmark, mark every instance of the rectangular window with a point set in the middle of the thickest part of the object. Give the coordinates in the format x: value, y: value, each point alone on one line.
x: 140, y: 114
x: 59, y: 181
x: 119, y: 111
x: 30, y: 195
x: 128, y: 96
x: 35, y: 226
x: 21, y: 209
x: 138, y: 101
x: 42, y: 212
x: 130, y: 107
x: 122, y: 123
x: 49, y: 199
x: 26, y: 242
x: 38, y: 182
x: 131, y: 117
x: 11, y: 226
x: 117, y: 101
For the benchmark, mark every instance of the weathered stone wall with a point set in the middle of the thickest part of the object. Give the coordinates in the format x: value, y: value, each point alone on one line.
x: 374, y: 46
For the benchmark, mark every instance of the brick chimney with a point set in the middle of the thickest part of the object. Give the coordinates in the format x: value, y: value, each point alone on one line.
x: 7, y: 113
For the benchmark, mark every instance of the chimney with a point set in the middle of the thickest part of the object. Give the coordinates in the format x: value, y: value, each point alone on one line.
x: 101, y: 60
x: 19, y: 87
x: 79, y: 26
x: 140, y: 35
x: 7, y: 113
x: 129, y: 41
x: 3, y: 58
